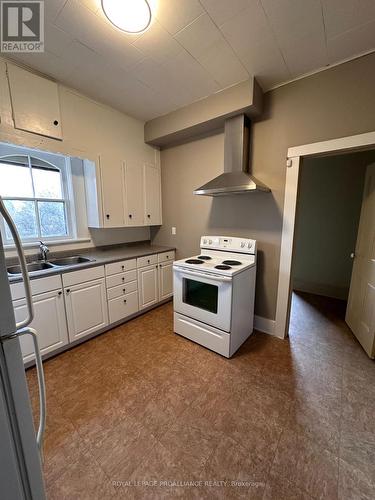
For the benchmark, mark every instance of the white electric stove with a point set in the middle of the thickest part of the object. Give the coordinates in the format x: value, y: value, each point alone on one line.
x: 214, y: 293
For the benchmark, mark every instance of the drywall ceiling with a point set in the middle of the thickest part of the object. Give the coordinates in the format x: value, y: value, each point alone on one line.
x: 197, y: 47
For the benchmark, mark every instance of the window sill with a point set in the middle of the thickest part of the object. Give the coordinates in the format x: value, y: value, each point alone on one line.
x: 35, y: 244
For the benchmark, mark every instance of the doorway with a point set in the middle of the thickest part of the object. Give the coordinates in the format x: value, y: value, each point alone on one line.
x: 362, y: 142
x: 328, y: 213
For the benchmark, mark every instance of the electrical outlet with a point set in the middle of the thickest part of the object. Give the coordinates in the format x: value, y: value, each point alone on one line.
x: 174, y: 230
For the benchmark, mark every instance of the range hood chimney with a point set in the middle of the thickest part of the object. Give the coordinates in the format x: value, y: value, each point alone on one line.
x: 236, y: 178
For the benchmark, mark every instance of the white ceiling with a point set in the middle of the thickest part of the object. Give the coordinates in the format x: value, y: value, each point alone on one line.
x: 197, y: 47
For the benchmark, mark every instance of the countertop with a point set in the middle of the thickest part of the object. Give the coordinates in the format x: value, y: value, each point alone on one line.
x: 101, y: 256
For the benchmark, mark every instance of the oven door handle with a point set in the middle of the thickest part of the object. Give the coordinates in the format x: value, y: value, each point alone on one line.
x: 204, y: 275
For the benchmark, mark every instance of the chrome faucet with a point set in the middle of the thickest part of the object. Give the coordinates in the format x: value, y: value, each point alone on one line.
x: 43, y: 251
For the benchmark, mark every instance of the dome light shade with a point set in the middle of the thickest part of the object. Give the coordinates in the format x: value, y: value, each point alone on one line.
x: 131, y: 16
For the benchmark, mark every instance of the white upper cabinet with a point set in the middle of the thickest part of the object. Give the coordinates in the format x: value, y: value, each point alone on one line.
x: 35, y: 103
x: 122, y: 193
x: 152, y: 194
x: 112, y: 191
x: 133, y: 194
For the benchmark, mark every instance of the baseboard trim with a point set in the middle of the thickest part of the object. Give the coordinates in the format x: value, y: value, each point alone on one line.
x: 264, y: 325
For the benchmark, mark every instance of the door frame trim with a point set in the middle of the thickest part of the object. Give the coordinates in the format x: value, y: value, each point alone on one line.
x: 360, y: 142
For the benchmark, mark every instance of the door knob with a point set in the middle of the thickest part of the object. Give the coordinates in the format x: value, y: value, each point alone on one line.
x: 352, y: 255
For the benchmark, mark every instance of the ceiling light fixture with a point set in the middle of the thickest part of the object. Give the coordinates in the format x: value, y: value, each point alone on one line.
x: 131, y: 16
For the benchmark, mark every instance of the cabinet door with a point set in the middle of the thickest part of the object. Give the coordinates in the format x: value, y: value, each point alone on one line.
x: 35, y: 103
x: 86, y: 308
x: 49, y: 322
x: 152, y: 194
x: 148, y: 286
x: 165, y: 280
x: 133, y: 189
x: 112, y: 191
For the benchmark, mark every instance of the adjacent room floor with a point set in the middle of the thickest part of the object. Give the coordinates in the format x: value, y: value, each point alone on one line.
x: 139, y: 406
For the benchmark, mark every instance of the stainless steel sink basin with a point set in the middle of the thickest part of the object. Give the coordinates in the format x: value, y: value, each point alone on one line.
x: 34, y: 266
x: 70, y: 261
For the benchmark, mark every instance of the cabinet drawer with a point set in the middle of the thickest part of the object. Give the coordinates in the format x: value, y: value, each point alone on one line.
x: 120, y: 279
x: 165, y: 256
x: 147, y: 261
x: 38, y: 286
x: 120, y: 267
x: 120, y: 290
x: 121, y: 307
x: 76, y: 277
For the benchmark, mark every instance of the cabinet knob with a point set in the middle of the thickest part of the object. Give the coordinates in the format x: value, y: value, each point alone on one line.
x: 123, y: 278
x: 122, y: 267
x: 56, y: 122
x: 149, y: 216
x: 59, y: 293
x: 148, y: 261
x: 124, y: 290
x: 107, y: 216
x: 130, y: 216
x: 68, y: 290
x: 124, y: 301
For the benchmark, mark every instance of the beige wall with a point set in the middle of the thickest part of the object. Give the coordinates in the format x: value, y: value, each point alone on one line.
x: 329, y: 206
x: 330, y: 104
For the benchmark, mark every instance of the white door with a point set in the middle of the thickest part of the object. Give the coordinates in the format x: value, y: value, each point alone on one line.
x: 360, y: 313
x: 165, y: 280
x: 49, y: 322
x: 86, y: 308
x: 134, y: 199
x: 112, y: 190
x: 148, y: 286
x: 152, y: 195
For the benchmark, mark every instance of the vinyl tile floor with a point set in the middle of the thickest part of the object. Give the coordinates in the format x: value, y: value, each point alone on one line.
x: 140, y: 412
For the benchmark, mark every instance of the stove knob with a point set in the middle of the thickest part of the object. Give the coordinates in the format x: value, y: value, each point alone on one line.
x: 242, y: 244
x: 205, y: 242
x: 210, y: 242
x: 249, y: 245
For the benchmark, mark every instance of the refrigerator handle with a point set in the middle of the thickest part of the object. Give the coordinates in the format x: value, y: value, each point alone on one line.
x: 42, y: 387
x: 21, y: 256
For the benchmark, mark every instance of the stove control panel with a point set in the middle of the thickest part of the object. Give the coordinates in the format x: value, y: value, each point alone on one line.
x: 229, y: 244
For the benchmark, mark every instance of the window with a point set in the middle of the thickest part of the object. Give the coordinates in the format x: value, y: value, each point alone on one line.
x: 35, y: 194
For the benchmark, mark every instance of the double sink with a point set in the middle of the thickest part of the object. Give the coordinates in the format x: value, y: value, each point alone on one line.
x: 50, y: 264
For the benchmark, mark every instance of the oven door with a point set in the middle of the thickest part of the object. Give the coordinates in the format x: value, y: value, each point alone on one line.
x: 204, y: 297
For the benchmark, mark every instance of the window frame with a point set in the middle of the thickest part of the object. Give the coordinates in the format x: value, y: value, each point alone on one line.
x: 67, y: 198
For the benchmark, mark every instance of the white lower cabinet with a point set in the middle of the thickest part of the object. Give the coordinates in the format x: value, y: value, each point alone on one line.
x: 49, y: 322
x: 165, y: 280
x: 148, y: 286
x: 86, y: 308
x: 123, y: 306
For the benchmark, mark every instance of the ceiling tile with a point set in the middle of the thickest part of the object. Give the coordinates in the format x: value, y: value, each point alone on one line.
x: 52, y: 8
x: 190, y: 74
x: 352, y: 42
x: 56, y: 40
x: 343, y: 15
x: 247, y: 28
x: 151, y: 74
x: 310, y: 53
x: 293, y: 19
x: 176, y: 15
x: 223, y: 10
x: 158, y: 44
x: 223, y: 65
x: 199, y: 35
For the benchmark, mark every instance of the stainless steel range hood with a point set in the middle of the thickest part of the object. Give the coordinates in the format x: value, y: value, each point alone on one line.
x: 235, y: 179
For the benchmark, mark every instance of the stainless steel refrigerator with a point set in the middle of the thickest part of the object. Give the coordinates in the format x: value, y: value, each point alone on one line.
x: 20, y: 443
